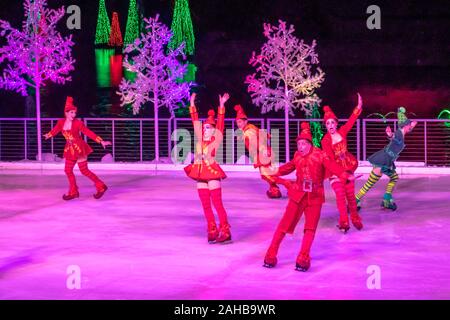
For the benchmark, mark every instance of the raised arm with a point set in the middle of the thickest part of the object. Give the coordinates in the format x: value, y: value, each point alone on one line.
x: 353, y: 117
x: 194, y: 117
x: 56, y: 129
x: 221, y: 112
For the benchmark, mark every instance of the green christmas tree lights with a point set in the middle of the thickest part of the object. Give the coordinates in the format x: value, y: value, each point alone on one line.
x: 103, y: 26
x: 316, y: 127
x: 132, y: 29
x: 182, y: 27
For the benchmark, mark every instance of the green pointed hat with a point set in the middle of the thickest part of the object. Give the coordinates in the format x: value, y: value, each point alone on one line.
x: 401, y: 116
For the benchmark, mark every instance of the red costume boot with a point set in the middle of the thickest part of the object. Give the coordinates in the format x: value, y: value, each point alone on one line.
x: 352, y: 206
x: 224, y: 232
x: 270, y: 259
x: 99, y: 185
x: 339, y: 190
x: 205, y: 199
x: 287, y: 224
x: 73, y: 189
x: 303, y: 261
x: 274, y: 192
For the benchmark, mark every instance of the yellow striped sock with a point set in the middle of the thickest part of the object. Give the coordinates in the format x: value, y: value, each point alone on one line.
x: 391, y: 184
x: 373, y: 178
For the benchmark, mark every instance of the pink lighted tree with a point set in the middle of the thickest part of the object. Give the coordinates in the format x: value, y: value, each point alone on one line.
x: 157, y: 69
x: 285, y: 77
x: 35, y: 55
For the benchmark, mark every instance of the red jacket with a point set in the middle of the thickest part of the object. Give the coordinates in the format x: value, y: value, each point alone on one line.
x: 339, y: 151
x: 75, y: 146
x: 205, y: 167
x: 310, y: 171
x: 257, y: 146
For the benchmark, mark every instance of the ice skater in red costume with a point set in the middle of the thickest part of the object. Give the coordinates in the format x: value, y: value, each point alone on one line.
x: 334, y: 143
x: 207, y: 172
x: 306, y: 195
x: 77, y: 150
x: 259, y: 151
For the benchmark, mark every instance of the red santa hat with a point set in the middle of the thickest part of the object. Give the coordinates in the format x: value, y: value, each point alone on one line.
x: 69, y: 105
x: 240, y: 114
x: 328, y: 114
x: 210, y: 119
x: 305, y: 133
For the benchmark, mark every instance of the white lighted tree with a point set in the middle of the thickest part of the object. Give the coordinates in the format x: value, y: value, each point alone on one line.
x: 286, y: 74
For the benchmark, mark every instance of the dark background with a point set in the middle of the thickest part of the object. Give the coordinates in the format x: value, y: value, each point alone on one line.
x: 407, y: 62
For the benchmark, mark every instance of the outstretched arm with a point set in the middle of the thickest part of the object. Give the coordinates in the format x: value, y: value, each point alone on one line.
x: 56, y: 129
x: 286, y: 168
x: 283, y: 170
x: 353, y: 117
x: 89, y: 133
x: 85, y: 130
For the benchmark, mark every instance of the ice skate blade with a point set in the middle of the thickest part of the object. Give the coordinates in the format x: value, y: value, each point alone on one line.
x: 300, y: 269
x: 387, y: 208
x: 268, y: 266
x: 225, y: 242
x: 100, y: 194
x: 343, y: 230
x: 68, y: 197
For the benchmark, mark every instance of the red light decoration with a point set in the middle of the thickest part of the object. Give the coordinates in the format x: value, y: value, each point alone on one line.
x: 115, y: 36
x: 116, y: 70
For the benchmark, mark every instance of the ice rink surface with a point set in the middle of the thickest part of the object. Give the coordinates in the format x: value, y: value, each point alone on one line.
x: 146, y: 239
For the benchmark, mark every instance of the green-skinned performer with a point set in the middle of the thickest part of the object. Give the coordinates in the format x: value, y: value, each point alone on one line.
x: 383, y: 161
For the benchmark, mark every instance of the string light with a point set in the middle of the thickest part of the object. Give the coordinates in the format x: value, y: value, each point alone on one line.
x: 132, y: 29
x: 182, y: 27
x: 285, y: 75
x: 115, y: 37
x: 156, y: 71
x: 102, y: 61
x: 38, y: 53
x: 35, y: 55
x: 316, y: 127
x: 103, y: 26
x: 445, y: 114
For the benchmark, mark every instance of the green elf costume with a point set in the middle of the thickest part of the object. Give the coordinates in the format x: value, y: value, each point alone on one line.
x: 383, y: 161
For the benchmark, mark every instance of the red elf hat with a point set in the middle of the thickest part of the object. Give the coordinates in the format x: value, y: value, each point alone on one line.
x: 328, y: 114
x: 240, y: 114
x: 305, y: 133
x: 210, y: 119
x: 69, y: 105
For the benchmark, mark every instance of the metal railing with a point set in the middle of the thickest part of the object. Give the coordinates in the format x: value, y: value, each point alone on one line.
x: 428, y: 143
x: 133, y: 139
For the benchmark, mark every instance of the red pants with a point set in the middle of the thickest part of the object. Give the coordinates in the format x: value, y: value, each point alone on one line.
x: 345, y: 198
x: 290, y: 220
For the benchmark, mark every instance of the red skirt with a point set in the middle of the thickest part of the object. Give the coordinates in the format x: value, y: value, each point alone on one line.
x: 205, y: 172
x: 77, y: 149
